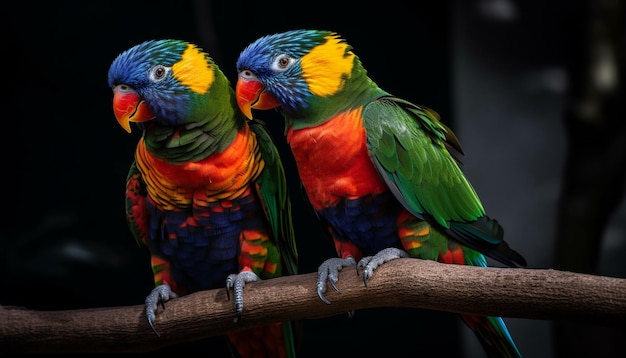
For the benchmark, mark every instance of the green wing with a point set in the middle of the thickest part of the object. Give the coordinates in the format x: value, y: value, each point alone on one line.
x: 414, y: 152
x: 272, y: 187
x: 412, y: 149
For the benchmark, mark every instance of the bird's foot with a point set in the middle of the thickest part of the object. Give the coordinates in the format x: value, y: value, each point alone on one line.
x: 236, y: 282
x: 370, y: 263
x: 159, y: 294
x: 329, y: 271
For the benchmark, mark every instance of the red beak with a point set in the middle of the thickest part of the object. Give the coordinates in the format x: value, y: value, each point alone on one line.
x: 129, y: 107
x: 252, y: 94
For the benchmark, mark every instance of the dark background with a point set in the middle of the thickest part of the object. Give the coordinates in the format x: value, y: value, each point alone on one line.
x: 501, y: 73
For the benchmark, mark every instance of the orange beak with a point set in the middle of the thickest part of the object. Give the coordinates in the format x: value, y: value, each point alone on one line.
x: 251, y: 94
x: 129, y: 107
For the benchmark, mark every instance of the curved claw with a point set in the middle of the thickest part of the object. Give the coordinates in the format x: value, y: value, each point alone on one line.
x: 236, y: 282
x: 230, y: 282
x: 152, y: 326
x: 329, y: 271
x: 362, y: 264
x: 321, y: 288
x: 371, y: 263
x: 159, y: 294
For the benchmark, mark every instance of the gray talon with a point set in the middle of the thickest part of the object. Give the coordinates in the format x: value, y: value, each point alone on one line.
x: 321, y: 288
x: 370, y: 263
x: 236, y: 282
x: 329, y: 271
x: 230, y: 281
x: 159, y: 294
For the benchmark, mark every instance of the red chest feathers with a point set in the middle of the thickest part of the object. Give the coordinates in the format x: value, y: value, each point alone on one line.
x: 224, y: 175
x: 333, y: 161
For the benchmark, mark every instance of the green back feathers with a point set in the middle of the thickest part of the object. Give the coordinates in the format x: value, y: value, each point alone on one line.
x: 407, y: 144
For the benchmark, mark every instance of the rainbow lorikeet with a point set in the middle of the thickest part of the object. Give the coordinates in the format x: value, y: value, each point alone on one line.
x: 206, y: 192
x: 381, y: 173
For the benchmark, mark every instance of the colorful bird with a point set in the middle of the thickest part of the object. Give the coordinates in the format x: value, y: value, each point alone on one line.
x: 206, y: 192
x: 381, y: 173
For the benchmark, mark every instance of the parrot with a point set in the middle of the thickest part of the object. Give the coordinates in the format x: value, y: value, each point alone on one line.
x: 382, y: 174
x: 206, y: 192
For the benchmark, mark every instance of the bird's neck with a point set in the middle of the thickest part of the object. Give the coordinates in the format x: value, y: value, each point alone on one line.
x: 193, y: 141
x: 357, y: 92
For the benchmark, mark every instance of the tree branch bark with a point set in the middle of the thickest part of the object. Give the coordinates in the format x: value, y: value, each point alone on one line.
x: 508, y: 292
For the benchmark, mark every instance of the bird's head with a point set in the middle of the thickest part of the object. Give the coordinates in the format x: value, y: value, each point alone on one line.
x: 292, y: 70
x: 163, y: 80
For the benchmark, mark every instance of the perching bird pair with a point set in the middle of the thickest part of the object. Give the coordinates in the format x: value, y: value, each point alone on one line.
x: 207, y: 194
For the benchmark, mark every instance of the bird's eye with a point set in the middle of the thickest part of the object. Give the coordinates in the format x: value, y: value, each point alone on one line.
x: 282, y: 62
x: 158, y: 72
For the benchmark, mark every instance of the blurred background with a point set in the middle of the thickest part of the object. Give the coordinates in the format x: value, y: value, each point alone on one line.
x: 533, y: 89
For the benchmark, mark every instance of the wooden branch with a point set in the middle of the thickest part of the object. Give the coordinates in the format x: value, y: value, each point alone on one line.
x: 508, y: 292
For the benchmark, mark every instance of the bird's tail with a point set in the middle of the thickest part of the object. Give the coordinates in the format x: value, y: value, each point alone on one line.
x: 493, y: 336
